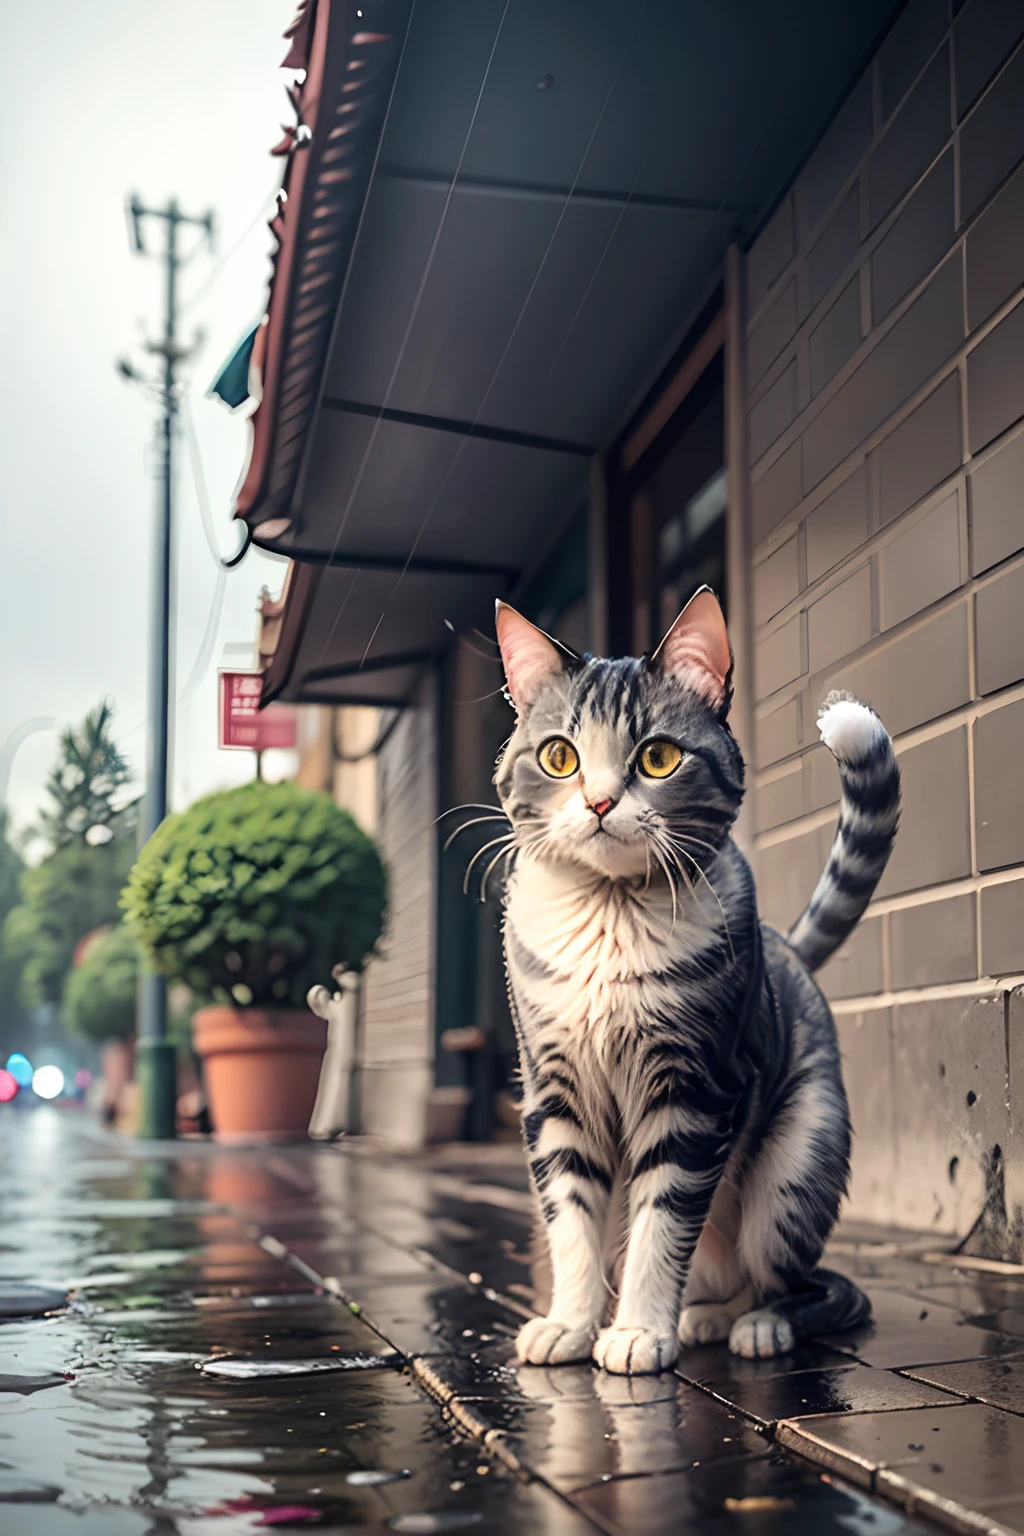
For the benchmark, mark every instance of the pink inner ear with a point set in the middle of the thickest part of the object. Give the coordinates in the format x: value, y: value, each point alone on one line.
x: 696, y: 648
x: 528, y: 655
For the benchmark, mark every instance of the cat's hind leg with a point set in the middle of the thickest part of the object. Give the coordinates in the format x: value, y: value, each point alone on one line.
x: 716, y: 1292
x: 790, y: 1196
x: 821, y: 1302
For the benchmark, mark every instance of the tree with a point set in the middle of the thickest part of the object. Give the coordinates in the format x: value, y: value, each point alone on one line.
x: 13, y: 1016
x: 100, y: 993
x: 74, y: 891
x: 85, y: 781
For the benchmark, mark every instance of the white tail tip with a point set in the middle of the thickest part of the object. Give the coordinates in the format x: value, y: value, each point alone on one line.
x: 847, y: 728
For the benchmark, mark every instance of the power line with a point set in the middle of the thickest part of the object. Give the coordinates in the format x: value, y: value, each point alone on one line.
x: 208, y: 641
x: 199, y: 481
x: 216, y: 272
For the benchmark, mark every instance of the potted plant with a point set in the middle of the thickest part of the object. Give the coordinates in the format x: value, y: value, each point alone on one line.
x: 249, y: 898
x: 99, y: 1004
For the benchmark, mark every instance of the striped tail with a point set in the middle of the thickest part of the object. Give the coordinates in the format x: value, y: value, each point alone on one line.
x: 868, y: 818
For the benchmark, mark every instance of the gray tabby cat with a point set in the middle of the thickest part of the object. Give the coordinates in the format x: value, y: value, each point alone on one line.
x: 682, y: 1090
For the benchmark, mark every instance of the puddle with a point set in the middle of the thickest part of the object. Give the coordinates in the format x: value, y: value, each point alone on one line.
x: 171, y: 1418
x: 129, y: 1210
x: 160, y: 1357
x: 153, y: 1258
x: 250, y: 1370
x: 100, y: 1281
x: 103, y: 1168
x: 270, y: 1514
x: 372, y: 1479
x: 242, y: 1303
x: 424, y: 1524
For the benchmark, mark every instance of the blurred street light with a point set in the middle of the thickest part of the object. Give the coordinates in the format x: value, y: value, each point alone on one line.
x: 48, y: 1082
x: 20, y: 1069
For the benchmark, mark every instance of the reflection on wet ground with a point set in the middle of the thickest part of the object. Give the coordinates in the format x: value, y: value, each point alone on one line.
x: 323, y: 1336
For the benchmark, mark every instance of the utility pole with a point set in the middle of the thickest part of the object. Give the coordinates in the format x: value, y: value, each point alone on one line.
x: 155, y: 1053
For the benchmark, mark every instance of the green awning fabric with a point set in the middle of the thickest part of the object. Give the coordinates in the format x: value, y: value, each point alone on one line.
x: 232, y: 383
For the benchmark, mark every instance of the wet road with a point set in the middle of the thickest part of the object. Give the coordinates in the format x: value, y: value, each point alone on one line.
x: 164, y: 1398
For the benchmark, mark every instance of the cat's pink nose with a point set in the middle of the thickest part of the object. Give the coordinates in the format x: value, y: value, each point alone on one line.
x: 600, y: 806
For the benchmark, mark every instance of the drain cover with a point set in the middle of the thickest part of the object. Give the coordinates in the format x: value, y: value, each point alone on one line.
x: 18, y: 1300
x: 28, y: 1384
x: 25, y: 1490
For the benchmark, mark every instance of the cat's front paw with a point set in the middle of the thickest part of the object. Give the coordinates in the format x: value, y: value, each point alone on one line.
x: 546, y: 1341
x: 634, y: 1351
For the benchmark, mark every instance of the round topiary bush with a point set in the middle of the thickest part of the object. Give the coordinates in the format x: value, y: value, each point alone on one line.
x: 253, y: 895
x: 100, y: 993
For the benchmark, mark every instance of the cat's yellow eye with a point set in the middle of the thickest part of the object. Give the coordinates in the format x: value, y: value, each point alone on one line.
x: 660, y: 758
x: 559, y: 758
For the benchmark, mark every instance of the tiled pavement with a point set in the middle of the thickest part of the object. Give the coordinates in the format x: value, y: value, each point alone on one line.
x: 183, y: 1254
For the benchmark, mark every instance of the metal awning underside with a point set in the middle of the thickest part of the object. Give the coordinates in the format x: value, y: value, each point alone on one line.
x: 498, y: 228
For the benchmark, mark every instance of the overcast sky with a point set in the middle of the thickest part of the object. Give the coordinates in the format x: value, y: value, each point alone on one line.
x: 102, y: 98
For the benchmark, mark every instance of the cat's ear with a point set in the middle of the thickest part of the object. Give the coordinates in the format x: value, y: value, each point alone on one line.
x: 696, y: 650
x: 529, y: 655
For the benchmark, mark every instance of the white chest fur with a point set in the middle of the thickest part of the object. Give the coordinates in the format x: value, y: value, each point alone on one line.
x: 602, y: 946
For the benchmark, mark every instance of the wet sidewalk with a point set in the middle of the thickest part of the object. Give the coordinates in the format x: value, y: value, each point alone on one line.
x: 321, y: 1336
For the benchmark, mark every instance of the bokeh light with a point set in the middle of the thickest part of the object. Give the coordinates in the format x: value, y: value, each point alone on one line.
x: 8, y: 1087
x: 20, y: 1069
x: 48, y: 1082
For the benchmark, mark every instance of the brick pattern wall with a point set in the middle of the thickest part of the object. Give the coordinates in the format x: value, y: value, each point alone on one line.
x: 885, y: 370
x: 397, y: 1069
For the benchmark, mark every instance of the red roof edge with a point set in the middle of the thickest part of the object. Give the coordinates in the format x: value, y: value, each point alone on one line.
x: 341, y: 108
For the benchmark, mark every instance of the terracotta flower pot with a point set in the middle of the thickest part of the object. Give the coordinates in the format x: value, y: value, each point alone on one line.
x: 261, y: 1068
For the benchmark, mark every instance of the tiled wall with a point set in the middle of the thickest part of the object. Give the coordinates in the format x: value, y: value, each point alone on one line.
x: 885, y: 358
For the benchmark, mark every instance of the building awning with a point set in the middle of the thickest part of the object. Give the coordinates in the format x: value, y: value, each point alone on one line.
x: 501, y: 220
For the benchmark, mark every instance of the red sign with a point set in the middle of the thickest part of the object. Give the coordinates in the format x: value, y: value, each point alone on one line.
x: 243, y: 724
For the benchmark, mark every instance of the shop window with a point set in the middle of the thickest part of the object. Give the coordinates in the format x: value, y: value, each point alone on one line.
x: 667, y: 516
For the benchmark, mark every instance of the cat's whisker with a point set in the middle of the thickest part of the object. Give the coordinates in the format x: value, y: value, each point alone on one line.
x: 707, y: 882
x: 671, y: 884
x: 504, y: 854
x: 673, y: 852
x: 662, y: 840
x: 699, y: 842
x: 479, y: 854
x: 476, y: 821
x: 470, y: 805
